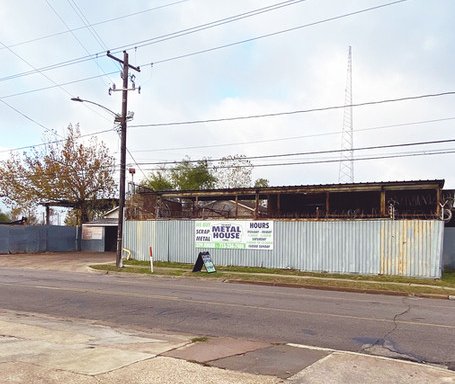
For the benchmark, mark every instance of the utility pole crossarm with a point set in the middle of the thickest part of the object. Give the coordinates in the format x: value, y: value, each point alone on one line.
x: 137, y: 69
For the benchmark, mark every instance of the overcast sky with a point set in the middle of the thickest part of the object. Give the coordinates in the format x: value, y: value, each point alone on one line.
x: 404, y: 49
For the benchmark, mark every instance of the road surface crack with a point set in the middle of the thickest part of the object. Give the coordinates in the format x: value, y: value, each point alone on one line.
x: 385, y: 344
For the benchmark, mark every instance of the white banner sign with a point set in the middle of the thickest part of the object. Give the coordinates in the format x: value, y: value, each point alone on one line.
x: 234, y: 234
x: 92, y: 233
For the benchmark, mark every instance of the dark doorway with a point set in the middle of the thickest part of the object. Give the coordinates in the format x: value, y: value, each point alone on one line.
x: 110, y: 239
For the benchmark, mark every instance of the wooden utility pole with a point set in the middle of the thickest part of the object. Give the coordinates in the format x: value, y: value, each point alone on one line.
x: 123, y: 120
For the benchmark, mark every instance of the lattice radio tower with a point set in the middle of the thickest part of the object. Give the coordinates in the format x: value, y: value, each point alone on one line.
x: 346, y: 170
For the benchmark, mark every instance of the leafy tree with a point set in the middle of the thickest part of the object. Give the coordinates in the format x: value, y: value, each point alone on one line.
x: 186, y: 175
x: 231, y: 172
x: 4, y: 217
x: 160, y: 180
x: 62, y: 171
x: 261, y: 183
x: 234, y: 172
x: 189, y: 175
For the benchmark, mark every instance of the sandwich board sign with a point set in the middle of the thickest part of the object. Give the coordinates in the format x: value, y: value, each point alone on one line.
x: 204, y: 259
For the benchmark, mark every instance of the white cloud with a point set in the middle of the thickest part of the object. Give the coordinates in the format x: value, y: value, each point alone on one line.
x: 400, y: 50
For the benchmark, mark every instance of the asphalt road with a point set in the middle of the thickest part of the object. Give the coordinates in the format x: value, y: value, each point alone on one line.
x: 410, y: 328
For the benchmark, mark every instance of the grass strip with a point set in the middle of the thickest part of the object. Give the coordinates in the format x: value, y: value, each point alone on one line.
x: 447, y: 280
x: 406, y: 286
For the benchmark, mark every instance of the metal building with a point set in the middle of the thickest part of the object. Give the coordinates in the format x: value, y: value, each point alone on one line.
x: 369, y: 228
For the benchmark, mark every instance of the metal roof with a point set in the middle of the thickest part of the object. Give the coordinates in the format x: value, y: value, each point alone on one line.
x: 350, y: 187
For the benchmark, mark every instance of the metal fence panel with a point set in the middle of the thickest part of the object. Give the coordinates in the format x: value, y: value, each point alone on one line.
x: 4, y: 239
x: 32, y: 239
x: 335, y: 246
x: 61, y: 239
x: 402, y: 247
x: 411, y: 248
x: 138, y: 237
x: 448, y: 258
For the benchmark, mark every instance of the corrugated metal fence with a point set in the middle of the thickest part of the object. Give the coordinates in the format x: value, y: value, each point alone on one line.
x: 399, y: 247
x: 31, y: 239
x: 448, y: 257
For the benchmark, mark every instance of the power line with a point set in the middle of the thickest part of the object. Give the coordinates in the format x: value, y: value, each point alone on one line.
x: 73, y: 34
x: 136, y: 163
x: 334, y: 160
x: 216, y: 23
x: 286, y: 113
x: 115, y: 168
x: 45, y: 76
x: 381, y: 157
x: 133, y: 45
x: 226, y: 144
x: 93, y: 25
x: 49, y: 142
x: 57, y: 85
x: 24, y: 115
x: 292, y: 137
x: 160, y: 38
x: 85, y: 21
x: 277, y: 33
x: 417, y: 143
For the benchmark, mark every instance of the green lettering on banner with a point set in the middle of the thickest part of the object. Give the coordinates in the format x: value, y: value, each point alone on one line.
x: 234, y: 235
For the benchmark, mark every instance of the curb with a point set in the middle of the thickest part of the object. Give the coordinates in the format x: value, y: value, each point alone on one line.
x: 337, y: 289
x: 441, y: 367
x: 439, y: 296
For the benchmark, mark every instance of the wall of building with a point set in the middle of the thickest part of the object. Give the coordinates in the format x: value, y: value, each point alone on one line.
x: 31, y: 239
x: 395, y: 247
x: 93, y: 238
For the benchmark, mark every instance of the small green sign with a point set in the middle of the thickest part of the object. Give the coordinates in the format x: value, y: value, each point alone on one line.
x: 204, y: 259
x: 208, y: 263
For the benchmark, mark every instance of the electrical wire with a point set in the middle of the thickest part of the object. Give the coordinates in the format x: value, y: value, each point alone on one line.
x: 166, y: 37
x: 136, y: 163
x: 133, y: 45
x: 49, y: 142
x: 74, y: 35
x: 290, y: 137
x: 335, y: 160
x: 303, y: 162
x: 275, y: 33
x: 25, y: 116
x: 57, y: 85
x: 92, y: 25
x: 47, y: 78
x: 259, y: 116
x: 369, y: 148
x: 203, y: 27
x: 299, y: 111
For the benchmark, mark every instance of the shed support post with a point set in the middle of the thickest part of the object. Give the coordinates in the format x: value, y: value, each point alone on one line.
x: 278, y: 204
x: 157, y: 208
x: 327, y: 204
x: 48, y: 215
x: 438, y: 203
x: 382, y: 204
x: 256, y: 206
x: 195, y: 206
x: 236, y: 206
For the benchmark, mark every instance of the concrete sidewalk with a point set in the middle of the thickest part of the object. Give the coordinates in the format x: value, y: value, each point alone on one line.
x: 40, y: 349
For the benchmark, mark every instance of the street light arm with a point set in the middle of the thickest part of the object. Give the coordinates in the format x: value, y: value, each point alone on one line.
x: 116, y: 115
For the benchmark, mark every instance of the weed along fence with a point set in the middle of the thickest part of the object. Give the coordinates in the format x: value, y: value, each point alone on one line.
x: 394, y: 247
